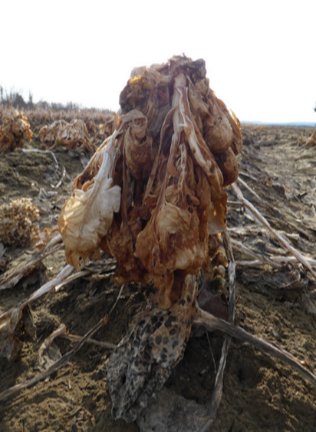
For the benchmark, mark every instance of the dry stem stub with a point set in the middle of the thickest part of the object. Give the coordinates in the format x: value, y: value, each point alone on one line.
x: 153, y: 194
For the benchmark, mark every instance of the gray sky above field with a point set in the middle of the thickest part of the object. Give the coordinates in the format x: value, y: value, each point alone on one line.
x: 260, y: 55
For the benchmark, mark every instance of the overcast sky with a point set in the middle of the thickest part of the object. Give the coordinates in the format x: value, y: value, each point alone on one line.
x: 260, y: 55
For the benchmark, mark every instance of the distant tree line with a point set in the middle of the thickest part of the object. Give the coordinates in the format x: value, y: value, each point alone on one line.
x: 16, y: 100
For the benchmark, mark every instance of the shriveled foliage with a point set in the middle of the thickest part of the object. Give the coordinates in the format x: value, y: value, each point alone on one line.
x: 70, y: 135
x: 15, y: 130
x: 165, y: 166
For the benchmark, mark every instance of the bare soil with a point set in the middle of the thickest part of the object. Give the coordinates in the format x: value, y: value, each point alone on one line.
x: 260, y: 393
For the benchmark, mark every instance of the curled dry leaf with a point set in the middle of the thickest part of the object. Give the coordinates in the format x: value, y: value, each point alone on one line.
x: 138, y: 144
x: 87, y: 216
x: 44, y: 237
x: 228, y: 164
x: 173, y: 151
x: 49, y: 352
x: 14, y: 329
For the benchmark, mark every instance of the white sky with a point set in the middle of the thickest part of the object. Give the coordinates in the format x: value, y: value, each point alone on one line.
x: 260, y: 55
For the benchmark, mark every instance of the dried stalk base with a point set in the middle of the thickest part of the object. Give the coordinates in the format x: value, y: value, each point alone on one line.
x: 145, y: 357
x: 192, y: 416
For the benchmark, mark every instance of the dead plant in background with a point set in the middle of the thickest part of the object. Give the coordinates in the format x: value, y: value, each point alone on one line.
x: 14, y: 131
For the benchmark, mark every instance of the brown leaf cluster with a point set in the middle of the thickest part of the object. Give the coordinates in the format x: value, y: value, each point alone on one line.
x: 15, y: 131
x: 18, y: 222
x: 153, y: 195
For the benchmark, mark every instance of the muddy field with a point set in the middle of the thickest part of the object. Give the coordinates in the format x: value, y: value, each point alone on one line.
x: 260, y: 393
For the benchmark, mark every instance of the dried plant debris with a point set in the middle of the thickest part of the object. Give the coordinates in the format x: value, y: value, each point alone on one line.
x: 17, y: 322
x: 70, y: 135
x: 14, y: 331
x: 312, y: 140
x: 10, y: 280
x: 153, y: 194
x: 109, y: 126
x: 41, y: 239
x: 49, y: 134
x: 15, y: 131
x: 144, y: 359
x: 4, y: 260
x: 106, y: 129
x: 18, y: 222
x: 49, y: 352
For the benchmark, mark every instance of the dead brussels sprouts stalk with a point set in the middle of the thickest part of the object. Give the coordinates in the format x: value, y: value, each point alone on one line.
x: 153, y: 194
